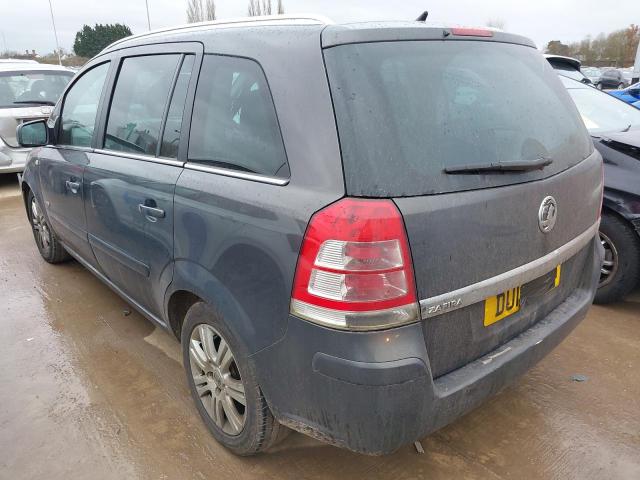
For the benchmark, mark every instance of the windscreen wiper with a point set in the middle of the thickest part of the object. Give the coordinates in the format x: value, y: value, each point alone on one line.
x: 36, y: 102
x: 518, y: 166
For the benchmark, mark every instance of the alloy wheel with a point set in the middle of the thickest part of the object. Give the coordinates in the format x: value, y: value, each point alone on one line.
x: 610, y: 263
x: 40, y: 226
x: 217, y: 379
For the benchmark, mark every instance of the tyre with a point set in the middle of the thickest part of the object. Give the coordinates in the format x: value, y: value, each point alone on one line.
x: 599, y: 86
x: 47, y: 242
x: 620, y: 86
x: 223, y: 384
x: 620, y: 271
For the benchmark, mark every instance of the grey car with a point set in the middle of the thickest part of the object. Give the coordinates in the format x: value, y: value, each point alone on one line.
x: 28, y: 91
x: 360, y: 232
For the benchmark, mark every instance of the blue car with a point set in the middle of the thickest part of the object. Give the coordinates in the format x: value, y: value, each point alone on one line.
x: 631, y: 94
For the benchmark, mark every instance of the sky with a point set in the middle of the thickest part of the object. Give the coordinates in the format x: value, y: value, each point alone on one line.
x: 26, y: 24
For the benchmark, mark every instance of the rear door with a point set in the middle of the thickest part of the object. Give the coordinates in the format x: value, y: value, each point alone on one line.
x: 62, y: 166
x: 131, y: 176
x: 423, y: 122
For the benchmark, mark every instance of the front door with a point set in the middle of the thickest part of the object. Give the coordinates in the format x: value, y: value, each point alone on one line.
x: 62, y: 166
x: 130, y: 179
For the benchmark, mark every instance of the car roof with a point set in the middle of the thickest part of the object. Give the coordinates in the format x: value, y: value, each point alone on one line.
x: 332, y: 33
x: 16, y: 60
x: 199, y: 27
x: 32, y: 67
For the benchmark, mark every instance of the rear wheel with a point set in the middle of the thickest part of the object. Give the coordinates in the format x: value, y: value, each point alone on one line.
x: 620, y: 271
x: 47, y: 242
x: 223, y: 384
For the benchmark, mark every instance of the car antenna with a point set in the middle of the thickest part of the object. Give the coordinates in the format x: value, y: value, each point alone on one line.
x: 423, y: 17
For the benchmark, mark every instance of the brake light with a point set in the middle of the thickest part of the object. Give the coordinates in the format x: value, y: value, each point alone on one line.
x: 355, y: 270
x: 471, y: 32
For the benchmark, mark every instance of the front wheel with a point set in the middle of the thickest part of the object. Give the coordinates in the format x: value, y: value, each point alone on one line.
x: 47, y: 242
x: 620, y: 271
x: 223, y: 384
x: 620, y: 86
x: 599, y: 86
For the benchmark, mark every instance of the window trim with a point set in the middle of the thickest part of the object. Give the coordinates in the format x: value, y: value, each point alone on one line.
x: 168, y: 104
x: 228, y: 172
x: 182, y: 49
x: 236, y: 173
x: 58, y: 126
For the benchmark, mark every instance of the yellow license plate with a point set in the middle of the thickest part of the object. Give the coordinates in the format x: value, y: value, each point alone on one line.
x: 507, y: 303
x: 501, y: 306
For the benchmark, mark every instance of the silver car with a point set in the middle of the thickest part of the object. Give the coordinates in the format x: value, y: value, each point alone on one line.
x: 28, y: 91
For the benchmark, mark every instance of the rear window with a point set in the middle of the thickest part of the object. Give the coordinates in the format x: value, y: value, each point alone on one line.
x: 408, y: 110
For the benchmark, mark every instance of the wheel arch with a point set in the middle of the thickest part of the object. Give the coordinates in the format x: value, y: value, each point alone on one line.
x: 178, y: 304
x: 191, y: 283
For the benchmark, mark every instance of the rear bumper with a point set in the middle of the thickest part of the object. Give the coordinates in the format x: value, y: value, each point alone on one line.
x: 373, y: 392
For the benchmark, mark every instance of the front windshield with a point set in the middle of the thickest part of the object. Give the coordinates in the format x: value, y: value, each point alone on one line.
x: 23, y: 89
x: 601, y: 112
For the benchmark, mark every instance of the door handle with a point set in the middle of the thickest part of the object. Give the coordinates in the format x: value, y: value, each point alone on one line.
x: 73, y: 186
x: 151, y: 213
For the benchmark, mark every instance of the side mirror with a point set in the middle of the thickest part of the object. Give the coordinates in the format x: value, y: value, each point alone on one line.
x: 33, y: 134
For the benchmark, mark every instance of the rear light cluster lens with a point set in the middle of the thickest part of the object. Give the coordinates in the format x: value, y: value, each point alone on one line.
x: 355, y: 270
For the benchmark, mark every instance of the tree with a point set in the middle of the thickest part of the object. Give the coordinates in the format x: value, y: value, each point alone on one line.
x: 197, y: 11
x: 556, y: 47
x: 257, y: 8
x: 91, y: 40
x: 615, y: 49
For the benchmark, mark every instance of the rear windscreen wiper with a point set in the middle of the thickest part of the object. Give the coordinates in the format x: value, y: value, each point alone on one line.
x: 36, y: 102
x: 519, y: 166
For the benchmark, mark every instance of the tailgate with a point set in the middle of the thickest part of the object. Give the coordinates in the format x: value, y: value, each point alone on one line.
x: 471, y: 245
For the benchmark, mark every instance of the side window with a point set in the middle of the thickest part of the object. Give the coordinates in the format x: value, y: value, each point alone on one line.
x: 81, y: 106
x: 138, y: 102
x: 234, y: 122
x: 171, y: 135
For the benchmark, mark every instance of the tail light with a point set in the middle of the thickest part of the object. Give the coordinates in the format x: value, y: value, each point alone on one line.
x: 354, y: 270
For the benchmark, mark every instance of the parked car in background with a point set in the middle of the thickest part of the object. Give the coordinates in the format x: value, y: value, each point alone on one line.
x: 630, y: 94
x: 627, y: 74
x: 568, y: 67
x: 340, y: 246
x: 592, y: 73
x: 611, y: 79
x: 615, y: 128
x: 28, y: 91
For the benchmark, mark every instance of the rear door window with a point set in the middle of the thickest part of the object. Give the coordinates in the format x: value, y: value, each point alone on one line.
x: 408, y: 110
x: 141, y: 93
x: 234, y: 122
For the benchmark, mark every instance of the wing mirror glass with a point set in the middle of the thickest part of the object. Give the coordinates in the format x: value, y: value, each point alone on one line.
x: 33, y: 134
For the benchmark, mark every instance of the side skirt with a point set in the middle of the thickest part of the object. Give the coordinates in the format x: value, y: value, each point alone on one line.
x: 146, y: 313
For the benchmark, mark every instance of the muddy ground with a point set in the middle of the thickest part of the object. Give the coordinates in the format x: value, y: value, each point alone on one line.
x: 88, y: 392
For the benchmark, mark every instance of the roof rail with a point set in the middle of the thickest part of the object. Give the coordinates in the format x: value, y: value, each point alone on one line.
x: 240, y: 21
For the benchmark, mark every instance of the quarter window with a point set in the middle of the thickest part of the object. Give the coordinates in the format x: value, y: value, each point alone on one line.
x: 81, y: 106
x: 234, y: 121
x: 139, y: 99
x: 171, y: 135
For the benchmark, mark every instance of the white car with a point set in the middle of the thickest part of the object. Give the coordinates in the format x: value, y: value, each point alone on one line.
x: 28, y: 91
